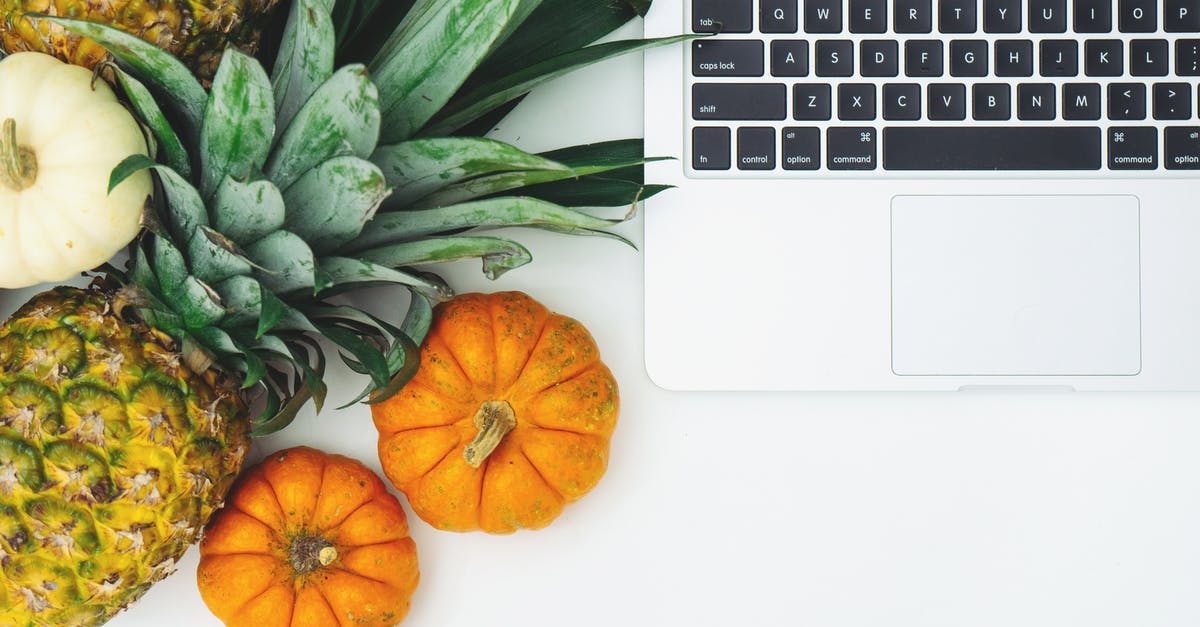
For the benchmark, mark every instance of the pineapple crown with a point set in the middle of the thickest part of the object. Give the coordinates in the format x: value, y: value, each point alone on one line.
x: 277, y: 192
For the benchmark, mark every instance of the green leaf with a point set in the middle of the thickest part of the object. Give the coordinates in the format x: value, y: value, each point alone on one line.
x: 419, y: 317
x: 346, y: 273
x: 278, y: 420
x: 371, y: 26
x: 170, y: 149
x: 594, y: 191
x: 342, y: 117
x: 409, y: 365
x: 329, y: 205
x: 147, y: 62
x: 488, y: 96
x: 187, y: 208
x: 429, y: 57
x: 506, y: 211
x: 197, y: 303
x: 289, y: 262
x: 498, y: 255
x: 247, y: 212
x: 369, y: 356
x: 273, y: 312
x: 239, y: 122
x: 170, y: 266
x: 419, y: 167
x: 305, y: 58
x: 212, y: 258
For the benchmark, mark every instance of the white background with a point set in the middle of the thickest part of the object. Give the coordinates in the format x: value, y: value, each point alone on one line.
x: 824, y: 510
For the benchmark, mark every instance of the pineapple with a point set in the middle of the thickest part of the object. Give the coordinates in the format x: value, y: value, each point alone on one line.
x: 196, y: 30
x: 126, y: 407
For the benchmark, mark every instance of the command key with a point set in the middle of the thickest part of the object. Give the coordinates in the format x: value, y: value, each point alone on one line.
x: 1182, y: 148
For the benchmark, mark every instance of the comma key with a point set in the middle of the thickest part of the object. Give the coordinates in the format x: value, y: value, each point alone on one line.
x: 1182, y: 148
x: 801, y: 148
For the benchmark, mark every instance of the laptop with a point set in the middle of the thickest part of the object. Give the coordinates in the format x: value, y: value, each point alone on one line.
x: 924, y: 195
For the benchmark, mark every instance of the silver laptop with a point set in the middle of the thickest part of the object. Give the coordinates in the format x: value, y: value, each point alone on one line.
x: 924, y: 195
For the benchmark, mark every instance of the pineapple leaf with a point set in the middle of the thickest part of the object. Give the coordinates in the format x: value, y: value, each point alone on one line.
x: 273, y: 312
x: 239, y: 122
x: 197, y: 303
x: 344, y: 273
x: 488, y: 96
x: 499, y: 255
x: 187, y: 208
x: 341, y: 117
x: 256, y: 368
x: 366, y: 355
x: 289, y: 261
x: 276, y: 417
x: 612, y: 189
x: 364, y: 26
x: 419, y: 167
x: 170, y: 267
x: 430, y: 55
x: 329, y: 205
x: 149, y: 63
x: 400, y: 226
x: 305, y: 58
x: 171, y: 149
x: 409, y: 355
x: 247, y: 212
x: 210, y: 261
x: 419, y: 317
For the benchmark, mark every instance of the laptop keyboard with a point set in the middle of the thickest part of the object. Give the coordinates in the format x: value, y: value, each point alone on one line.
x: 809, y: 86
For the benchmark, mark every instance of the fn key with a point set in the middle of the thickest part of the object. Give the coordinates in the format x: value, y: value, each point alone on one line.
x: 710, y: 148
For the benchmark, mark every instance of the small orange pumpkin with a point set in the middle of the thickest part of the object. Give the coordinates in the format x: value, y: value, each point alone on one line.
x: 507, y: 420
x: 310, y: 539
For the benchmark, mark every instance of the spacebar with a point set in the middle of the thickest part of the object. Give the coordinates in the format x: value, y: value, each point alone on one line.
x: 991, y: 148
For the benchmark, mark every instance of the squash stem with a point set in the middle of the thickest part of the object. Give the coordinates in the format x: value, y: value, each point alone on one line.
x: 18, y: 164
x: 308, y: 553
x: 494, y: 420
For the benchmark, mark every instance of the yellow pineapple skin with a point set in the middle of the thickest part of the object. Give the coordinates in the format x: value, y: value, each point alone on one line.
x: 113, y: 455
x: 197, y: 31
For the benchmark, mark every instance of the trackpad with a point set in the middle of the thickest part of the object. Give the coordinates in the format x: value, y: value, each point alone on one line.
x: 1016, y: 285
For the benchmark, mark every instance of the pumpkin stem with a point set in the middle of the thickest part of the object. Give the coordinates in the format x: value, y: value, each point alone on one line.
x: 494, y: 420
x: 309, y: 553
x: 18, y: 164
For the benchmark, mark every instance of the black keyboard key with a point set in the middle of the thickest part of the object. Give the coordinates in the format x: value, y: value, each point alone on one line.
x: 1081, y: 101
x: 756, y: 148
x: 923, y: 57
x: 1001, y: 16
x: 901, y: 101
x: 1014, y: 57
x: 789, y: 57
x: 1059, y: 57
x: 721, y: 16
x: 835, y: 58
x: 856, y: 101
x: 1137, y: 16
x: 710, y: 148
x: 801, y: 148
x: 1093, y: 16
x: 1181, y: 149
x: 1047, y: 16
x: 1036, y: 101
x: 739, y: 101
x: 913, y: 16
x: 727, y: 57
x: 879, y: 57
x: 991, y: 101
x: 851, y: 148
x: 947, y: 101
x: 1126, y: 101
x: 1148, y: 57
x: 991, y: 148
x: 1187, y: 57
x: 968, y: 58
x: 822, y: 16
x: 1103, y: 57
x: 1181, y: 16
x: 778, y: 16
x: 1172, y: 101
x: 956, y: 16
x: 812, y: 102
x: 868, y: 16
x: 1132, y: 148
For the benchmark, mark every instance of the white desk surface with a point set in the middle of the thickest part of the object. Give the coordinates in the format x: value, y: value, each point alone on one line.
x: 814, y: 510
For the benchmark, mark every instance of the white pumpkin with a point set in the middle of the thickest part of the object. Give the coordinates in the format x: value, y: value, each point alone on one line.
x: 61, y: 135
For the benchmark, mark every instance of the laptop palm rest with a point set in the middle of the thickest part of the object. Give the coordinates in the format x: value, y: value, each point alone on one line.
x: 1016, y: 285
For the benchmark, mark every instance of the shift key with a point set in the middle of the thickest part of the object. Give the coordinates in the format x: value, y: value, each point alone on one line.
x: 739, y: 101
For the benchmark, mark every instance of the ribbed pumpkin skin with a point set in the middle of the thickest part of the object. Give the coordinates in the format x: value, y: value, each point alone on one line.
x: 500, y: 347
x: 113, y: 455
x: 249, y: 558
x: 195, y: 30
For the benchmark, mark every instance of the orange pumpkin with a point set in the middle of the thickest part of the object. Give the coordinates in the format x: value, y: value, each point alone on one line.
x: 308, y: 539
x: 507, y: 420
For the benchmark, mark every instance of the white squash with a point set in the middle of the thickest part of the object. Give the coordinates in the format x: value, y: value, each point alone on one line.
x: 61, y: 135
